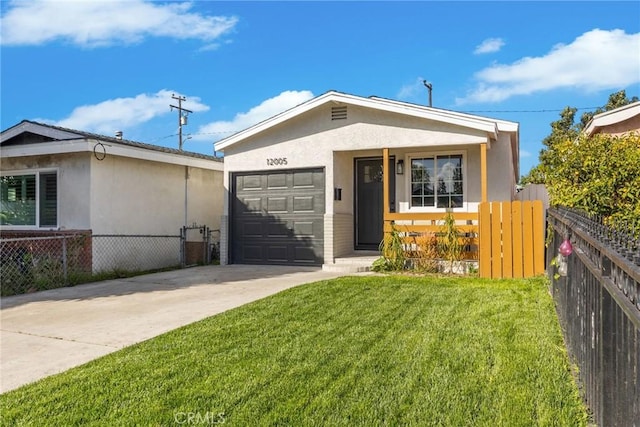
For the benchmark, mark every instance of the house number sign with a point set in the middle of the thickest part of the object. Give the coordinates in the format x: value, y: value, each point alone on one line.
x: 276, y: 161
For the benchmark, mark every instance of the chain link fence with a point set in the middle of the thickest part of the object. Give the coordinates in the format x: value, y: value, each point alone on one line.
x: 134, y: 253
x: 30, y: 264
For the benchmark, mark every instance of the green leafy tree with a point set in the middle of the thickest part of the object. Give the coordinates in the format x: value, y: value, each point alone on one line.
x: 566, y: 128
x: 600, y: 175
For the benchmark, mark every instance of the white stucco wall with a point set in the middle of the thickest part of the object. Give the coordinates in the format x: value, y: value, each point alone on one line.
x: 501, y: 179
x: 133, y: 196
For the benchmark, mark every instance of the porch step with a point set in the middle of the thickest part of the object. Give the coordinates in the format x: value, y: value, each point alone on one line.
x: 355, y: 263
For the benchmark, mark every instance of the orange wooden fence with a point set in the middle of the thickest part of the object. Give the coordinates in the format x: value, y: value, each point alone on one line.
x: 511, y: 239
x: 413, y: 225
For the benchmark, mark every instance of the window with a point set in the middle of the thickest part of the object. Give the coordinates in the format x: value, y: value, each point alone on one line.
x: 29, y: 200
x: 437, y: 181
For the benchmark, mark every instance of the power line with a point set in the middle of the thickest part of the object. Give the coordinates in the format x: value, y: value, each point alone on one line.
x: 466, y: 111
x: 529, y: 111
x: 194, y: 134
x: 216, y: 133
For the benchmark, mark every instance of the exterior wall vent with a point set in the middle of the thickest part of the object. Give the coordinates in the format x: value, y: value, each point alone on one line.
x: 339, y: 113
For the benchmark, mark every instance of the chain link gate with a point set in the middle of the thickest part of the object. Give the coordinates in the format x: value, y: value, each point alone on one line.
x: 197, y: 247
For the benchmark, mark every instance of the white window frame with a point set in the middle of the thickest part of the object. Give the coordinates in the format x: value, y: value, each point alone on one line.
x: 37, y: 173
x: 407, y: 180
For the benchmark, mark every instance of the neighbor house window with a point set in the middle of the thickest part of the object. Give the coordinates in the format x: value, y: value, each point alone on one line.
x: 437, y: 181
x: 29, y: 199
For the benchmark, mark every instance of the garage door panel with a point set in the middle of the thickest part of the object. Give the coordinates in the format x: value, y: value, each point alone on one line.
x: 305, y: 254
x: 278, y: 217
x: 303, y: 179
x: 278, y: 229
x: 277, y: 181
x: 252, y: 253
x: 249, y: 205
x: 303, y: 228
x: 250, y: 182
x: 277, y: 205
x: 252, y: 229
x: 304, y: 204
x: 277, y: 254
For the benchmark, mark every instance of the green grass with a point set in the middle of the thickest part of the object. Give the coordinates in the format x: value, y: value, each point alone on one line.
x: 368, y: 351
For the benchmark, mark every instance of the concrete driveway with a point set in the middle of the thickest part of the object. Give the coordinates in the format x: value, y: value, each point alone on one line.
x: 48, y: 332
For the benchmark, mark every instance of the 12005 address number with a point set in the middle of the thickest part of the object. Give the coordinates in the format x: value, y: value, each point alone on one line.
x: 277, y: 161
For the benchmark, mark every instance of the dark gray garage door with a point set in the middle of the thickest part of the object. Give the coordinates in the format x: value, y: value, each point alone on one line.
x: 278, y: 217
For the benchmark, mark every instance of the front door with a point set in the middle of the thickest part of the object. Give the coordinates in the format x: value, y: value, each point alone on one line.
x: 368, y: 205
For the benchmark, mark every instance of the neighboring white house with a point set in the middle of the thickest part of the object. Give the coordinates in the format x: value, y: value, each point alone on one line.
x: 60, y: 180
x: 306, y: 186
x: 618, y: 121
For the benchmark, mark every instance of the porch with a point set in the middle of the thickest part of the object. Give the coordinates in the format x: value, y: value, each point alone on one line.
x: 503, y: 239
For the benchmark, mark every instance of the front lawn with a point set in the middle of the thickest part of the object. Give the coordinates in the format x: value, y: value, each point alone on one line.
x: 357, y: 351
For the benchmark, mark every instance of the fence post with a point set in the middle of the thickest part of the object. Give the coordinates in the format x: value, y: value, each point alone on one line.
x: 203, y: 230
x: 183, y: 240
x: 65, y: 265
x: 538, y: 237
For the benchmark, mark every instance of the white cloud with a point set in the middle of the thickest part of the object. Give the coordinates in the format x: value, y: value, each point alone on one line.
x: 104, y: 23
x: 269, y: 108
x: 415, y: 92
x: 489, y: 46
x: 112, y: 115
x: 524, y: 154
x: 596, y: 60
x: 412, y: 90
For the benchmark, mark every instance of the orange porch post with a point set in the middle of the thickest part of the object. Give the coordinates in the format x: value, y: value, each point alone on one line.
x: 483, y: 171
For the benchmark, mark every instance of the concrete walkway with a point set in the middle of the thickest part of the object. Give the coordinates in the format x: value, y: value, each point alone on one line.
x: 48, y: 332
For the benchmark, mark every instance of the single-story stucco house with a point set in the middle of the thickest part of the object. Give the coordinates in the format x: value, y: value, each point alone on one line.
x: 305, y: 187
x: 57, y: 180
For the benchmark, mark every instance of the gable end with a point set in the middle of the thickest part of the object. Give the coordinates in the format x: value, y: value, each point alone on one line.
x: 27, y: 138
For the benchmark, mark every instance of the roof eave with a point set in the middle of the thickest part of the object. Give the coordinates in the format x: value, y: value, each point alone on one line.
x: 88, y: 145
x: 612, y: 117
x: 37, y: 128
x: 490, y: 126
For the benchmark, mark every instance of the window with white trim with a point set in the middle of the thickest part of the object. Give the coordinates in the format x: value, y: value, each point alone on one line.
x: 437, y: 181
x: 29, y: 200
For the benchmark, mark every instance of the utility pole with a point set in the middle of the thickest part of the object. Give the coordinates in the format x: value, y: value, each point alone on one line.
x: 182, y: 118
x: 429, y: 87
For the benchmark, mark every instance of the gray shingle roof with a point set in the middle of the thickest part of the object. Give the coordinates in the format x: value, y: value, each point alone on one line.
x: 78, y: 134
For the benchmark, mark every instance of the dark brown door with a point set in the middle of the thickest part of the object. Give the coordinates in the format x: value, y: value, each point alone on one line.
x: 368, y: 204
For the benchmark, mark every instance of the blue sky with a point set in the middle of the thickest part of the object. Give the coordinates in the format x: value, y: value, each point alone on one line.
x: 104, y: 66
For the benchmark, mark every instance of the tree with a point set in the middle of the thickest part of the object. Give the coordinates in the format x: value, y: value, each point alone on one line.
x: 565, y: 129
x: 598, y: 174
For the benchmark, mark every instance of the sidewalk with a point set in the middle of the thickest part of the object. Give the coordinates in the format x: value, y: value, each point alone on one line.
x: 48, y: 332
